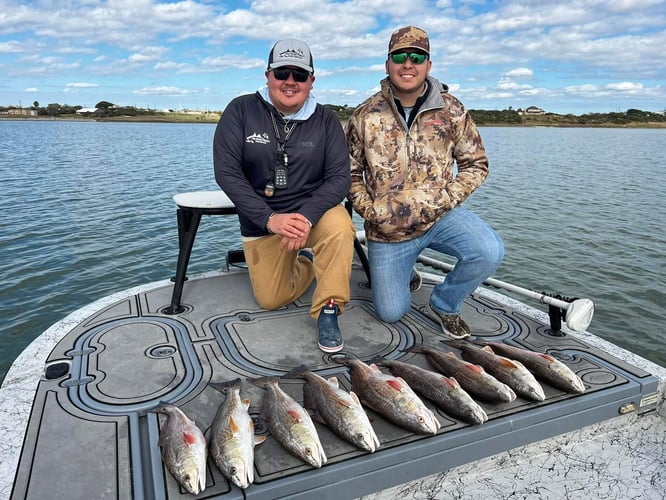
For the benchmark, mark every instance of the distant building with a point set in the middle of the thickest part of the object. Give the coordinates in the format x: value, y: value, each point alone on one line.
x: 533, y: 110
x: 84, y: 111
x: 19, y: 112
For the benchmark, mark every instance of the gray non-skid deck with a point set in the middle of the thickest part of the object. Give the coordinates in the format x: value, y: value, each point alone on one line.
x: 90, y: 436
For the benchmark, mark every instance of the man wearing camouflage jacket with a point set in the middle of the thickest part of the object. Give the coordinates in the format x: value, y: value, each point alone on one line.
x: 404, y: 143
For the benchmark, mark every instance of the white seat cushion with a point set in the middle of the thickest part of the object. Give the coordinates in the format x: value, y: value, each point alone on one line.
x: 203, y: 199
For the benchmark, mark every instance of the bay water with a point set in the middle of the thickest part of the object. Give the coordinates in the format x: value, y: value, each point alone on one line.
x: 87, y: 211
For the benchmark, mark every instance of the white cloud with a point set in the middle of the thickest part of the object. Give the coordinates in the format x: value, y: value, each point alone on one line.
x: 520, y: 73
x: 81, y: 85
x: 625, y: 86
x: 164, y: 91
x: 10, y: 46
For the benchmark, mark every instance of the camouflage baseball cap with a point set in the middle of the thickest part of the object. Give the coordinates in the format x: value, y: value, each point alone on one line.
x: 409, y: 37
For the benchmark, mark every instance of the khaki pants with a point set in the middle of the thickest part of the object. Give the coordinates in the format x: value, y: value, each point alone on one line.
x: 278, y: 277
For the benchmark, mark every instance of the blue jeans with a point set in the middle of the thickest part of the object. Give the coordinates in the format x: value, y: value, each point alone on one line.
x: 458, y: 233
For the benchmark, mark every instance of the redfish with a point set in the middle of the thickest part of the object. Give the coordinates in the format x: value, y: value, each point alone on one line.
x: 543, y: 366
x: 232, y: 439
x: 473, y: 378
x: 289, y: 423
x: 445, y: 392
x: 337, y: 408
x: 391, y: 397
x: 512, y: 373
x: 183, y: 448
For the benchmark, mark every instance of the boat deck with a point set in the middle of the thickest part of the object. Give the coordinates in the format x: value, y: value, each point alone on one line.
x: 89, y: 429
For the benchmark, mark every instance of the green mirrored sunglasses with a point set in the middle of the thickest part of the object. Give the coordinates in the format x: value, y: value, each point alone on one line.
x: 401, y: 57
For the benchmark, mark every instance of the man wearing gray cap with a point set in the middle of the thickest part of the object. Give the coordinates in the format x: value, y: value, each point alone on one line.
x: 404, y: 141
x: 282, y: 159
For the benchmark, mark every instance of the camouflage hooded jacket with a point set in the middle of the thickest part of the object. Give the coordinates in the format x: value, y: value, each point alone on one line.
x: 403, y: 180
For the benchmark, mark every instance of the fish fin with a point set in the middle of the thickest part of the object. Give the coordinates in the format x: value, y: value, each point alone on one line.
x: 487, y: 348
x: 396, y: 383
x: 189, y: 438
x: 454, y: 382
x: 258, y: 439
x: 354, y: 397
x: 343, y: 402
x: 233, y: 425
x: 474, y: 368
x: 449, y: 381
x: 548, y: 358
x: 334, y: 381
x: 374, y: 367
x: 246, y: 403
x: 509, y: 363
x: 295, y: 414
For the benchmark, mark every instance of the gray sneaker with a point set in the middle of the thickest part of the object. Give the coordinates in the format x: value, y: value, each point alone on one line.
x: 452, y: 324
x: 416, y: 281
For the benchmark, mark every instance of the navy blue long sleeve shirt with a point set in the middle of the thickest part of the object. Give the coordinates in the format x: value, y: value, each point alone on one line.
x: 245, y: 153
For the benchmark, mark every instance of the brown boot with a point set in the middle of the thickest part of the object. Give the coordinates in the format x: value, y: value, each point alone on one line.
x: 452, y: 324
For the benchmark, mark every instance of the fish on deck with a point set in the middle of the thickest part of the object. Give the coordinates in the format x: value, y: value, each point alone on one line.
x: 183, y: 448
x: 512, y: 373
x: 289, y: 422
x: 390, y: 396
x: 232, y: 439
x: 340, y: 410
x: 473, y: 378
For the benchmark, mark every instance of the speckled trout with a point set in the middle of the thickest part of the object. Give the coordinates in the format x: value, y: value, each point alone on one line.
x: 289, y: 423
x: 183, y: 448
x: 390, y: 396
x: 337, y: 408
x: 543, y: 366
x: 445, y: 392
x: 512, y: 373
x: 232, y: 439
x: 473, y: 378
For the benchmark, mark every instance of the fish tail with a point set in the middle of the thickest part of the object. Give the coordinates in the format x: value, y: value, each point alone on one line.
x: 344, y: 358
x: 264, y: 382
x: 377, y: 359
x: 224, y: 387
x: 414, y: 348
x: 297, y: 372
x: 162, y: 407
x: 458, y: 344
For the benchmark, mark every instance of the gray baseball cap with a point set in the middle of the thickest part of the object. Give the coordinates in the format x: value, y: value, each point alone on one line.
x: 291, y: 52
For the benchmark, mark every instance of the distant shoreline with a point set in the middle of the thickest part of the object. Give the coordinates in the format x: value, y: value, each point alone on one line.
x: 214, y: 118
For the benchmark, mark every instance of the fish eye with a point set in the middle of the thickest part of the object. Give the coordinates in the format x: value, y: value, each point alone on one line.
x: 308, y: 451
x: 421, y: 419
x: 233, y: 470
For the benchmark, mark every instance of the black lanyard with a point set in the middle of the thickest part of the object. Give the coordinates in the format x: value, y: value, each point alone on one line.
x: 282, y: 160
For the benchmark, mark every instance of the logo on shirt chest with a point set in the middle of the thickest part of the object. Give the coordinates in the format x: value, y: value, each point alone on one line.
x: 257, y: 138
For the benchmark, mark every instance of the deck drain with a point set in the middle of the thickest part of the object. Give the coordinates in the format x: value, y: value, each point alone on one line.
x: 162, y: 351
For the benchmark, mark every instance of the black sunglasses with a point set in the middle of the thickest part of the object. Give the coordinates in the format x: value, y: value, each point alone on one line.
x: 401, y: 57
x: 300, y: 75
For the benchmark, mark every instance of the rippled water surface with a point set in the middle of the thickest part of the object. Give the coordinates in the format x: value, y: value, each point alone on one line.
x: 87, y: 212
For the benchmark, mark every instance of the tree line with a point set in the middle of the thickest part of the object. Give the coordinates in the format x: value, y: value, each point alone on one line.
x: 106, y: 109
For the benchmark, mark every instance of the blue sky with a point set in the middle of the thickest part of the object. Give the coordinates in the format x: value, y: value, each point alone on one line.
x: 562, y: 56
